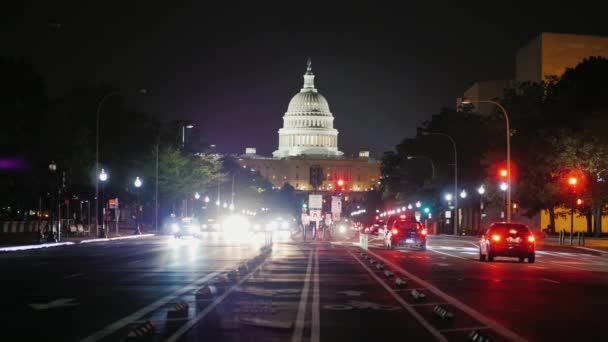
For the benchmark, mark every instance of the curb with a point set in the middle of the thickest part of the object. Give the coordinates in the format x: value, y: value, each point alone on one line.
x: 69, y: 243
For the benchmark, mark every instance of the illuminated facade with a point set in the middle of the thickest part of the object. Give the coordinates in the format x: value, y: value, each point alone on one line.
x: 308, y: 140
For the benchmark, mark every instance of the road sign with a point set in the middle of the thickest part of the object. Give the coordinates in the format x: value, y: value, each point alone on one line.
x: 448, y: 214
x: 305, y: 219
x: 336, y: 204
x: 315, y: 215
x: 113, y: 203
x: 315, y: 201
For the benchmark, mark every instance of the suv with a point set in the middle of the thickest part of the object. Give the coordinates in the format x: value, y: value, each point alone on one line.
x: 509, y: 240
x: 404, y: 230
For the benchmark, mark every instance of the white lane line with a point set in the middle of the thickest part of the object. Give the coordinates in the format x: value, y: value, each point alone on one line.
x: 301, y: 317
x: 184, y: 328
x: 551, y: 281
x: 510, y: 335
x: 448, y: 254
x: 401, y: 301
x: 112, y: 328
x: 463, y: 329
x: 316, y: 325
x: 73, y: 275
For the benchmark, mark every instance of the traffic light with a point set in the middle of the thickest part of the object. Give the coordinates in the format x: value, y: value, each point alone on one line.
x: 503, y: 173
x: 340, y: 182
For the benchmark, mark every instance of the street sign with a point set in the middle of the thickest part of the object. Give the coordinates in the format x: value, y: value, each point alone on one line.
x: 336, y: 204
x: 315, y: 215
x: 448, y: 214
x: 305, y: 219
x: 327, y: 219
x: 113, y: 203
x: 315, y: 201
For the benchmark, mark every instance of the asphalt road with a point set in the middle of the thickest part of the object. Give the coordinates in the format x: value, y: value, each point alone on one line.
x: 298, y: 292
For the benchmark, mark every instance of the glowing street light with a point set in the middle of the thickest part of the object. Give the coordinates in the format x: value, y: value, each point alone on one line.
x: 207, y: 199
x: 418, y: 204
x: 225, y: 205
x: 573, y: 181
x: 197, y: 195
x: 463, y: 194
x: 137, y: 182
x: 103, y: 176
x: 481, y: 190
x: 409, y: 206
x: 504, y: 186
x: 448, y: 197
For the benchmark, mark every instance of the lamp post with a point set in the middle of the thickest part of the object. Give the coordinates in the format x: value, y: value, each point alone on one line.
x: 99, y: 106
x: 103, y: 177
x: 184, y: 126
x: 52, y: 169
x: 572, y: 181
x: 504, y: 187
x: 481, y: 190
x: 508, y: 126
x: 137, y: 184
x: 455, y: 176
x: 427, y: 158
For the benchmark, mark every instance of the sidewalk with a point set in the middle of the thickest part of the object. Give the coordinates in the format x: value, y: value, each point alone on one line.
x: 599, y: 244
x: 31, y: 240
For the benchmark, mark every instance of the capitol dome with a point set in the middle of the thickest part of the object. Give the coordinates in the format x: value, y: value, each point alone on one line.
x: 308, y: 125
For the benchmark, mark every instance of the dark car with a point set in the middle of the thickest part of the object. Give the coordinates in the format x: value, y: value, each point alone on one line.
x: 404, y: 231
x: 507, y: 240
x: 375, y: 227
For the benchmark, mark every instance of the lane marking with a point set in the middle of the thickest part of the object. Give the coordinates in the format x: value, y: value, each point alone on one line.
x: 401, y: 301
x: 444, y: 253
x: 316, y: 325
x: 190, y: 323
x: 510, y: 335
x: 121, y: 323
x: 73, y: 275
x: 551, y: 281
x: 301, y: 316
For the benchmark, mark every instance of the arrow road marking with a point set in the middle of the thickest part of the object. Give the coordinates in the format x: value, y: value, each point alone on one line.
x: 57, y: 303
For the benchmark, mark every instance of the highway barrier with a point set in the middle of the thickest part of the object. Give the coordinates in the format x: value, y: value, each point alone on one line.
x: 442, y: 312
x: 206, y: 292
x: 180, y: 310
x: 363, y: 240
x: 388, y: 274
x: 142, y: 331
x: 379, y: 266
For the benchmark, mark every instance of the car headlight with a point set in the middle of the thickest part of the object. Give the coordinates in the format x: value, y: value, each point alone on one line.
x: 284, y: 225
x: 174, y: 227
x: 192, y: 229
x: 342, y: 229
x: 271, y: 226
x: 257, y: 226
x: 204, y: 226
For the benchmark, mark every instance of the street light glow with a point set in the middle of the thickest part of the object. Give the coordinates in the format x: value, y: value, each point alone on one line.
x: 207, y: 199
x: 504, y: 186
x: 572, y: 181
x: 409, y: 206
x: 103, y: 176
x: 418, y: 204
x: 448, y: 197
x: 463, y: 194
x: 137, y: 182
x: 481, y: 190
x: 197, y: 195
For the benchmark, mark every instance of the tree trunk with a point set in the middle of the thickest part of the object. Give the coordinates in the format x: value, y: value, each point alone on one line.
x: 597, y: 211
x: 589, y: 217
x: 552, y: 227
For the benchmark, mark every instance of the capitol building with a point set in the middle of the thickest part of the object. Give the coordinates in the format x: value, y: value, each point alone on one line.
x: 309, y: 140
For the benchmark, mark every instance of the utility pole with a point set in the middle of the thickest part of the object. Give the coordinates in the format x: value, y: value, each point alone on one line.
x: 156, y: 188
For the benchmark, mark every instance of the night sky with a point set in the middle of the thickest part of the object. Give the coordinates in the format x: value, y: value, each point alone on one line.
x: 232, y: 68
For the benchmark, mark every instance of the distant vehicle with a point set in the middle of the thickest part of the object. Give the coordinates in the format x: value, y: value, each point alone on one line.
x: 186, y: 226
x: 507, y: 240
x: 377, y: 227
x: 404, y: 230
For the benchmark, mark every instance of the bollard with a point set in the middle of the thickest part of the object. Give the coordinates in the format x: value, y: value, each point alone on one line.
x: 583, y: 239
x: 206, y: 293
x: 571, y: 238
x: 379, y: 266
x: 477, y: 336
x: 142, y: 331
x: 578, y: 238
x: 560, y: 237
x: 442, y: 312
x: 388, y: 274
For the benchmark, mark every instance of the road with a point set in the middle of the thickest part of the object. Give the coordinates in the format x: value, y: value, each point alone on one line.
x: 298, y: 292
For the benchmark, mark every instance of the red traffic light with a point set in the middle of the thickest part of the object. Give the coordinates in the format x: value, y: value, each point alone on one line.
x: 503, y: 173
x: 573, y: 181
x: 340, y: 182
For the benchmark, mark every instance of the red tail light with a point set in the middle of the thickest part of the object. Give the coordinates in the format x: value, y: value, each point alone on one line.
x: 423, y: 232
x: 395, y: 231
x: 531, y: 238
x: 496, y: 237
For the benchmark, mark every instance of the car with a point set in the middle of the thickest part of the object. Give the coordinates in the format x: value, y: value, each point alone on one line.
x: 376, y: 228
x: 186, y: 226
x: 504, y: 239
x: 404, y: 230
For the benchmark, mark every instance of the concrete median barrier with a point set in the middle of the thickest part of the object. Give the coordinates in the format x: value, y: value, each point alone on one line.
x: 417, y: 295
x: 388, y: 274
x: 400, y: 283
x: 206, y: 292
x: 477, y: 336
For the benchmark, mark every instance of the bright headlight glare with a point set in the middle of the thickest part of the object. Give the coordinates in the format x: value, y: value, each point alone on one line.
x: 175, y: 227
x: 342, y: 229
x: 284, y: 225
x: 257, y: 226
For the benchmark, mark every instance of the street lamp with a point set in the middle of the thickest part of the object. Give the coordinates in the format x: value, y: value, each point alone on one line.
x: 448, y: 197
x: 455, y: 175
x: 418, y: 204
x: 53, y: 168
x: 207, y: 199
x: 197, y: 195
x: 481, y: 190
x: 103, y: 177
x: 137, y: 184
x: 188, y: 125
x: 572, y: 181
x: 463, y: 194
x: 427, y: 158
x: 508, y: 126
x: 504, y: 187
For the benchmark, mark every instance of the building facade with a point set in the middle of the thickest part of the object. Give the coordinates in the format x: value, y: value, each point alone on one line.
x: 307, y: 141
